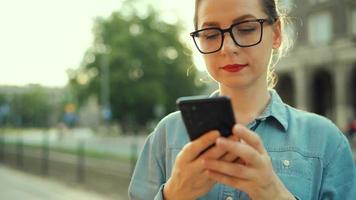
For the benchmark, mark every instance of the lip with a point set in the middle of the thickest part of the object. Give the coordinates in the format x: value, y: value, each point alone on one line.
x: 234, y: 67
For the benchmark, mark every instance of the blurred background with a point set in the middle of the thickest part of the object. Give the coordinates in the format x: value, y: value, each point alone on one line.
x: 82, y: 83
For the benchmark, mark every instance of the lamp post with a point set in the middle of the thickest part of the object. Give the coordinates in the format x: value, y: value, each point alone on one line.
x: 105, y: 85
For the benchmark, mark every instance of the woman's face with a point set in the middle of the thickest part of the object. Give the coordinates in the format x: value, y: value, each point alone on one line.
x: 233, y: 66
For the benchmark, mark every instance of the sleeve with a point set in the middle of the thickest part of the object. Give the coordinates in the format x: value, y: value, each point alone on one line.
x: 339, y: 174
x: 149, y: 175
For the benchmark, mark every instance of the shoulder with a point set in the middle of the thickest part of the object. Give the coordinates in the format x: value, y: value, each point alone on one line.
x: 312, y: 122
x: 171, y: 131
x: 318, y: 133
x: 170, y: 122
x: 170, y: 119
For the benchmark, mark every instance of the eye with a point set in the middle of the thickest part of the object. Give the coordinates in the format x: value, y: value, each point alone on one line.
x: 211, y: 36
x: 246, y: 30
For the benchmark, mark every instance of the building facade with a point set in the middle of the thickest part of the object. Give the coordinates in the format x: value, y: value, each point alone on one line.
x: 319, y: 73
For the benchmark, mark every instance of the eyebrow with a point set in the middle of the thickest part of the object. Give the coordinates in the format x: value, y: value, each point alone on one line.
x: 238, y: 19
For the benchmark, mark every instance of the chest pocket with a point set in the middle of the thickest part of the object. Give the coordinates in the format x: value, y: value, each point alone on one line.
x: 295, y: 171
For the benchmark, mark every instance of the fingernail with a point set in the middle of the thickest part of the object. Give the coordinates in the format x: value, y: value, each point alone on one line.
x: 220, y: 141
x: 240, y: 126
x: 236, y: 127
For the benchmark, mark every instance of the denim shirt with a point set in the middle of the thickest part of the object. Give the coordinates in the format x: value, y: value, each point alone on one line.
x: 309, y: 154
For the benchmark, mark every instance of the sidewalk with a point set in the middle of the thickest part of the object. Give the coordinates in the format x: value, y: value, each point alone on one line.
x: 20, y: 185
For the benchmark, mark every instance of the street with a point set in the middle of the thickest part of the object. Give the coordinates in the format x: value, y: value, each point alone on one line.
x: 15, y: 184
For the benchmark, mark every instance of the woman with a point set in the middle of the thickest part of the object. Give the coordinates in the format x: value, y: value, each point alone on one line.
x: 276, y: 151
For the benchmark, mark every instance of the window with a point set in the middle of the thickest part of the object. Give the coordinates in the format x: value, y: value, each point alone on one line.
x: 353, y: 22
x: 320, y: 28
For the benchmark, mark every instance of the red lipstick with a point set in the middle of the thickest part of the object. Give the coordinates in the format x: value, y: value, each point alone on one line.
x: 233, y: 67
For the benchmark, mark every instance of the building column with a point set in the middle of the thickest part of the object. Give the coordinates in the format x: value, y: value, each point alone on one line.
x: 342, y: 108
x: 301, y: 83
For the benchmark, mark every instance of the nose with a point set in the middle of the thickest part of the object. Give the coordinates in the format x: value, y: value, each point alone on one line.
x: 228, y: 45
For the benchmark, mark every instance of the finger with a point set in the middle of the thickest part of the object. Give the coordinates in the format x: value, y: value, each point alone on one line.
x: 249, y: 137
x: 229, y: 157
x: 192, y: 150
x: 213, y: 153
x: 247, y: 153
x: 240, y: 184
x: 218, y: 153
x: 230, y: 169
x: 234, y: 137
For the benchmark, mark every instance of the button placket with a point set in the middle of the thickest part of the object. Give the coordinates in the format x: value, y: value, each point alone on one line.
x: 286, y: 163
x: 229, y: 198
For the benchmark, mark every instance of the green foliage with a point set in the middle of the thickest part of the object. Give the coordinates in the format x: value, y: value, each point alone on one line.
x: 27, y: 109
x: 148, y: 67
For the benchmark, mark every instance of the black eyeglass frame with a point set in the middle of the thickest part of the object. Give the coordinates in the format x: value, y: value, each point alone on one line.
x: 229, y: 30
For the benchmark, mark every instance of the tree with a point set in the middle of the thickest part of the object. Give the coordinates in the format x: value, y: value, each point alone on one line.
x: 148, y: 67
x: 34, y: 108
x: 31, y: 108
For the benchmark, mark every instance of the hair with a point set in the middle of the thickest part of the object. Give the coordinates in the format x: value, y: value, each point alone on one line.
x: 272, y: 9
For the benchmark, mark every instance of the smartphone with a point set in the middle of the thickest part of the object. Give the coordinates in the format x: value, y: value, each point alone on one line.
x: 202, y: 114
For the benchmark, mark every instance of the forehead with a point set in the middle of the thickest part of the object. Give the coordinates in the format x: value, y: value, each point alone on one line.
x: 223, y: 12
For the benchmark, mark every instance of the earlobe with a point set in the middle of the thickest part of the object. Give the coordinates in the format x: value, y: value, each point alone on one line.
x: 277, y: 35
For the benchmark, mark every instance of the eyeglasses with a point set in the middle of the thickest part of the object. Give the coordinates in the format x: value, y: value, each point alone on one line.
x: 244, y: 34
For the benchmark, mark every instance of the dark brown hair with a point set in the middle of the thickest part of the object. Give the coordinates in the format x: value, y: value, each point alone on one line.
x: 271, y: 8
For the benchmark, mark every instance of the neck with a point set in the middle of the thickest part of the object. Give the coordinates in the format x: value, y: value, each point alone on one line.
x: 247, y: 103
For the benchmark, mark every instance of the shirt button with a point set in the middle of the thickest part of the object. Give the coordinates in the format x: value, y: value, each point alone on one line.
x: 286, y: 163
x: 229, y: 198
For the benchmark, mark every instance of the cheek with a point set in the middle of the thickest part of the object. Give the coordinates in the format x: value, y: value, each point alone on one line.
x: 259, y: 56
x: 210, y: 62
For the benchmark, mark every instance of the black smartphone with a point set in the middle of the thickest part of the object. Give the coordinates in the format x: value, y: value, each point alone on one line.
x: 202, y: 114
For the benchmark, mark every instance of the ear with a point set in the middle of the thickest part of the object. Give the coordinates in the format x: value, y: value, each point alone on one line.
x: 277, y: 34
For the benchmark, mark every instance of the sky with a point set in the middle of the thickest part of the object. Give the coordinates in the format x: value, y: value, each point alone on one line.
x: 41, y: 39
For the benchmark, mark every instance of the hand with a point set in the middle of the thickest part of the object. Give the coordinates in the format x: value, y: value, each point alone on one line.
x: 196, y: 153
x: 219, y: 153
x: 189, y: 179
x: 253, y: 174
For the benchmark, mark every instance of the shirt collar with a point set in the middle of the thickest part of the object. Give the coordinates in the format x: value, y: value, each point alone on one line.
x: 275, y: 109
